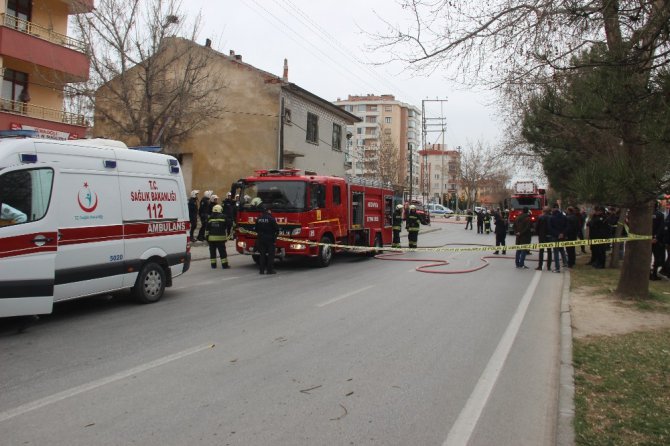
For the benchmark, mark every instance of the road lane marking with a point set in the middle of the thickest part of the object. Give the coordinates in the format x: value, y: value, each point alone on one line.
x: 60, y: 396
x: 343, y: 296
x: 465, y: 424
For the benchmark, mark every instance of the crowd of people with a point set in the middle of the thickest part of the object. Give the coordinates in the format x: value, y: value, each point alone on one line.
x: 554, y: 225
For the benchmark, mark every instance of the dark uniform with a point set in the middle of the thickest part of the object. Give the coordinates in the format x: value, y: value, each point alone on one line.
x: 657, y: 245
x: 500, y: 231
x: 480, y: 222
x: 266, y: 229
x: 543, y: 236
x: 193, y: 214
x: 216, y: 237
x: 598, y: 229
x: 468, y: 219
x: 229, y: 212
x: 412, y: 226
x: 397, y: 226
x: 203, y: 212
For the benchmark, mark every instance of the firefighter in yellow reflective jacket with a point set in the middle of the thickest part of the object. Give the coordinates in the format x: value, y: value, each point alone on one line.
x: 216, y: 236
x: 397, y: 226
x: 413, y: 227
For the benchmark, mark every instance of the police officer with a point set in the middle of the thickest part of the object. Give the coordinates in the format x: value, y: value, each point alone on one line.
x: 412, y: 227
x: 216, y: 237
x: 397, y: 225
x: 266, y: 230
x: 193, y: 212
x: 203, y: 212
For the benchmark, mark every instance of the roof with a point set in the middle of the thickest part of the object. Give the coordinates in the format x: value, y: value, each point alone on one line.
x: 311, y: 97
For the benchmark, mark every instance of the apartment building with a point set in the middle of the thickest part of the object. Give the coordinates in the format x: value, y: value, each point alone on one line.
x: 440, y: 173
x: 387, y: 125
x: 37, y: 60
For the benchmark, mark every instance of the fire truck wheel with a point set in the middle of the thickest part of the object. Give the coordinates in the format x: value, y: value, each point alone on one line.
x: 325, y: 253
x: 378, y: 244
x: 150, y: 283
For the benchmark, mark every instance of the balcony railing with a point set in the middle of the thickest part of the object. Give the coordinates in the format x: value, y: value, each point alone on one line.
x: 39, y: 112
x: 41, y: 32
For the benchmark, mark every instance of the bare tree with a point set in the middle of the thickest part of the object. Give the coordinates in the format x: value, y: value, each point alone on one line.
x: 382, y: 162
x: 479, y: 166
x: 147, y: 86
x: 522, y: 46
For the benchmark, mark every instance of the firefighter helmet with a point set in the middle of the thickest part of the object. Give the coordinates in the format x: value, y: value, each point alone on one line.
x: 217, y: 209
x: 399, y: 206
x: 256, y: 201
x: 194, y: 193
x: 412, y: 207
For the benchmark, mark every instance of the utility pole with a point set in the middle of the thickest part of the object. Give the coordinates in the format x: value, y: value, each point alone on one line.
x: 428, y: 126
x: 409, y: 149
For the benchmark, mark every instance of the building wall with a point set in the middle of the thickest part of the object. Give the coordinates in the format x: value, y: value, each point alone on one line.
x: 321, y: 157
x: 242, y: 140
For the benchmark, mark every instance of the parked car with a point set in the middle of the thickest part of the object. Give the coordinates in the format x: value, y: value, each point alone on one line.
x: 438, y: 209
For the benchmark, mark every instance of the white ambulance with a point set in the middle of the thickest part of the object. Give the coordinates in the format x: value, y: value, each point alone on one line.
x: 79, y: 218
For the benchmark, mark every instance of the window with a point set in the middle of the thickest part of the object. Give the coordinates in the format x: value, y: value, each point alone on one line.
x: 388, y: 108
x: 317, y: 196
x: 349, y: 108
x: 20, y: 10
x: 337, y: 195
x: 312, y: 128
x: 370, y: 119
x: 24, y: 195
x: 287, y: 116
x: 337, y: 137
x: 361, y: 142
x: 361, y: 108
x: 372, y: 108
x: 387, y: 120
x: 14, y: 84
x: 359, y: 130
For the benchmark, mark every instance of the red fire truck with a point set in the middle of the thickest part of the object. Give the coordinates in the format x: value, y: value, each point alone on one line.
x: 314, y: 208
x: 526, y: 195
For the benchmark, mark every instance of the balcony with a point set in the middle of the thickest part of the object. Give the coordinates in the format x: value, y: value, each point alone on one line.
x: 29, y: 42
x: 16, y: 115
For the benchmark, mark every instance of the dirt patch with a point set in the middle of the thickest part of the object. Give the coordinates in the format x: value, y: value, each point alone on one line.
x: 602, y: 315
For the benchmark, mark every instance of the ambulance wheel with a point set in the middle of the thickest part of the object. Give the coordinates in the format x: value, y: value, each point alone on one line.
x: 325, y: 253
x: 150, y: 283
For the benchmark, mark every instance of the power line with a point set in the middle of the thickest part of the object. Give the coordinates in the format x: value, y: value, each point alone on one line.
x: 325, y: 36
x: 299, y: 40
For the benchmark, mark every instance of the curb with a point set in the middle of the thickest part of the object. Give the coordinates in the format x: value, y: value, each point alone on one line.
x: 565, y: 435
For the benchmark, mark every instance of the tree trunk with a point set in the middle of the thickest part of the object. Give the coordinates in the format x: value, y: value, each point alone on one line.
x: 616, y: 246
x: 634, y: 277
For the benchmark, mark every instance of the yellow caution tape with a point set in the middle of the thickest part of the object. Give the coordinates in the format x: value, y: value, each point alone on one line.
x: 479, y: 248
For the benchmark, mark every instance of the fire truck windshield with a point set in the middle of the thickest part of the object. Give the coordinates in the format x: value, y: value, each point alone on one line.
x: 526, y: 202
x: 280, y: 195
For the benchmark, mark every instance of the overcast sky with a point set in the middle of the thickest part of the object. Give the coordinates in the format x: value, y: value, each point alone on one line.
x: 328, y: 54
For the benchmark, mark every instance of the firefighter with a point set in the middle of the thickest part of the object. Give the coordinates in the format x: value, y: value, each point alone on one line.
x: 203, y: 212
x: 487, y: 222
x: 397, y: 225
x: 266, y: 230
x: 229, y: 211
x: 412, y: 227
x: 216, y: 236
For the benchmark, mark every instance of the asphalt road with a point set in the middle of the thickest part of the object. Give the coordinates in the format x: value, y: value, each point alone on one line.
x: 364, y: 352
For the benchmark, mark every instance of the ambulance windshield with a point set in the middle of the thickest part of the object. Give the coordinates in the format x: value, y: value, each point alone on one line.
x: 276, y: 195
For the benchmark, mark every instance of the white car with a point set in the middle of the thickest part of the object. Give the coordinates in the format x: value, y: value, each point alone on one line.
x: 438, y: 209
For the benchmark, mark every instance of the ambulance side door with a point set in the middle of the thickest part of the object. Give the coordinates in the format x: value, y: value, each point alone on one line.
x: 28, y: 240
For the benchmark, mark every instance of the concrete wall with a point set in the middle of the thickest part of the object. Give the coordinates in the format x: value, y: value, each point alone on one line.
x: 321, y: 157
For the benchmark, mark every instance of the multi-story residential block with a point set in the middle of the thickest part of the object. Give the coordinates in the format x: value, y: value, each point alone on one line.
x: 440, y: 173
x: 386, y: 125
x: 37, y: 60
x: 267, y: 123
